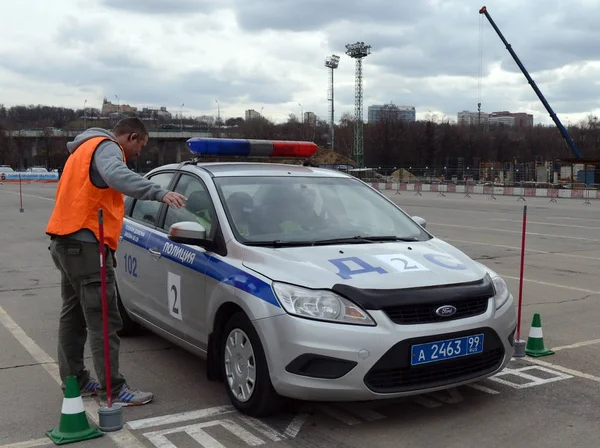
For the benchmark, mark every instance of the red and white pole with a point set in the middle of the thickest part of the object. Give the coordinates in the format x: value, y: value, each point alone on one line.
x: 520, y: 343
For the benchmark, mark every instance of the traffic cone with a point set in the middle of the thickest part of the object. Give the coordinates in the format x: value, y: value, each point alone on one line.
x: 74, y: 425
x: 535, y: 343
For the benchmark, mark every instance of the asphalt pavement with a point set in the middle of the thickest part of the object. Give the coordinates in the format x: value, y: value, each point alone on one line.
x: 546, y: 402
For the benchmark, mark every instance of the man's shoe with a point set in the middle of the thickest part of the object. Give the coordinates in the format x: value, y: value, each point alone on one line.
x: 132, y: 397
x: 88, y: 390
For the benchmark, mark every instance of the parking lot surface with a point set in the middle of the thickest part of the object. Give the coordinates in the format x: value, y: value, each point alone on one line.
x: 537, y: 402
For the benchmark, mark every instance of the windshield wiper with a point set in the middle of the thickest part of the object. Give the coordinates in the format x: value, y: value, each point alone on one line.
x: 362, y: 239
x: 347, y: 240
x: 278, y: 243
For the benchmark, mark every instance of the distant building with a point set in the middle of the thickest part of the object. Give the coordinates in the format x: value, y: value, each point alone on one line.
x: 501, y: 120
x: 468, y: 118
x: 519, y: 119
x: 110, y: 108
x: 153, y: 112
x: 310, y: 118
x: 251, y: 113
x: 403, y: 113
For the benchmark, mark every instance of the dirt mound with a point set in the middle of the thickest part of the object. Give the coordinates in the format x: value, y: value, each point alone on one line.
x: 402, y: 175
x: 327, y: 156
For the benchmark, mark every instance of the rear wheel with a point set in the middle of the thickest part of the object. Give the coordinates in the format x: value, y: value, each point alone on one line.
x: 129, y: 327
x: 244, y: 369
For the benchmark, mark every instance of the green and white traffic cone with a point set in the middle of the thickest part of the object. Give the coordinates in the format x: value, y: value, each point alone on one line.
x: 74, y: 425
x: 535, y: 343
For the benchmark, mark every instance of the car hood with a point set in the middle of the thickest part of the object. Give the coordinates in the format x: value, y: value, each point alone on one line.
x: 385, y: 265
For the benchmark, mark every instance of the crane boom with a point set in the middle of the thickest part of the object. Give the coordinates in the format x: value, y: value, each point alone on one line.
x: 561, y: 128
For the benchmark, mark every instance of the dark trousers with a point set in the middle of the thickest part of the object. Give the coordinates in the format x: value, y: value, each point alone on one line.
x: 81, y: 314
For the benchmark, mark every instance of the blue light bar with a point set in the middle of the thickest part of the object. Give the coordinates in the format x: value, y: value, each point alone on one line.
x: 200, y: 146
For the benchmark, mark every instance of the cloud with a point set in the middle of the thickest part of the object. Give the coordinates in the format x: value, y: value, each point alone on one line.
x: 309, y: 15
x: 270, y: 54
x: 164, y: 7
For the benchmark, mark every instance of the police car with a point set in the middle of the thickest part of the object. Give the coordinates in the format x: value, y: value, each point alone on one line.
x: 305, y: 283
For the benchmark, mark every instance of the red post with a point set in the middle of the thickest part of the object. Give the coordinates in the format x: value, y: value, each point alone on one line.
x: 101, y: 249
x: 521, y: 274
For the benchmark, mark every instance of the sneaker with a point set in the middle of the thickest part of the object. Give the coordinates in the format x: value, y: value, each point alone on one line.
x: 132, y: 397
x: 88, y: 390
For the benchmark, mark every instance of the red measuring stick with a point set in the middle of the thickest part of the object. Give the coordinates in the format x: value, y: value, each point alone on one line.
x: 101, y: 249
x: 521, y: 274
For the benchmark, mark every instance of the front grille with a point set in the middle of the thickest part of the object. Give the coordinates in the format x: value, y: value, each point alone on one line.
x: 393, y: 372
x: 425, y: 313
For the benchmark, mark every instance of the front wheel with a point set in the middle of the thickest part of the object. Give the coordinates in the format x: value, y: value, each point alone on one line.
x: 245, y: 371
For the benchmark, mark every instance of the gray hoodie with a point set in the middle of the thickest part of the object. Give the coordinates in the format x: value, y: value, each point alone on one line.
x: 109, y: 170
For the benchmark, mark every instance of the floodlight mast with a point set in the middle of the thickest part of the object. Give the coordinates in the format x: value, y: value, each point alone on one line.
x: 358, y: 51
x: 332, y: 62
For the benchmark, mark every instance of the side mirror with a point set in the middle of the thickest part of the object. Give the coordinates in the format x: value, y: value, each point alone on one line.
x: 421, y: 221
x: 187, y: 232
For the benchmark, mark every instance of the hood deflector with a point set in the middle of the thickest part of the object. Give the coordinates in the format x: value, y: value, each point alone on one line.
x: 378, y: 299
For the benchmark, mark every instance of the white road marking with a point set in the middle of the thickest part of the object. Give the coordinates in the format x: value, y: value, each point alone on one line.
x: 196, y: 431
x: 28, y: 443
x: 516, y: 231
x: 553, y: 285
x: 427, y: 402
x: 262, y: 428
x: 339, y: 415
x: 28, y: 195
x: 122, y: 438
x: 545, y: 223
x: 572, y: 218
x: 577, y: 345
x: 449, y: 396
x: 566, y: 370
x: 519, y: 249
x: 532, y: 380
x: 481, y: 388
x: 296, y: 424
x: 180, y: 417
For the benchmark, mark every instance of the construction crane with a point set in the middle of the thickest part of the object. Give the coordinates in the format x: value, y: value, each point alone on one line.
x: 561, y: 128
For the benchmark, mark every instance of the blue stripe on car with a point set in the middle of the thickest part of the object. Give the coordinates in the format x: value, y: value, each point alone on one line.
x: 203, y: 263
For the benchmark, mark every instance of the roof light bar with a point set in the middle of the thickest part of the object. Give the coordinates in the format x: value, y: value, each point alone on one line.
x: 201, y: 146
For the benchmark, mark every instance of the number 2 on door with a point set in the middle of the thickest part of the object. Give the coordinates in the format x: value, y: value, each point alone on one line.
x: 174, y: 295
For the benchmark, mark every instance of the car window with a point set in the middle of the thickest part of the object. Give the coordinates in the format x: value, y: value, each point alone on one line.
x: 310, y: 208
x: 198, y: 206
x: 147, y: 211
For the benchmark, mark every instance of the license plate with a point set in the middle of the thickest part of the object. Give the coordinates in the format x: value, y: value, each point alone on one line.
x: 447, y: 349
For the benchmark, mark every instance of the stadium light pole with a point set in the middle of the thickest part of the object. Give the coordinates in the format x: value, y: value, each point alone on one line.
x: 358, y: 51
x: 331, y: 62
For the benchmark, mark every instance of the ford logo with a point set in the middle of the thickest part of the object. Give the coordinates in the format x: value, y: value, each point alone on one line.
x: 445, y: 311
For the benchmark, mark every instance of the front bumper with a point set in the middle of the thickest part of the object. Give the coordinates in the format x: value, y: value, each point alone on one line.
x: 312, y: 360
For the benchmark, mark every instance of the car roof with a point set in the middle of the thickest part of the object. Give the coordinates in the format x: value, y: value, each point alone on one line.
x: 228, y: 169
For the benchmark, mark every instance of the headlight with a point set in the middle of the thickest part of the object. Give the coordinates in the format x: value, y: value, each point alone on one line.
x: 320, y: 305
x: 501, y: 289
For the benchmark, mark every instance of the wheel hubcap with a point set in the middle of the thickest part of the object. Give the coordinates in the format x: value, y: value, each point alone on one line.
x: 240, y: 365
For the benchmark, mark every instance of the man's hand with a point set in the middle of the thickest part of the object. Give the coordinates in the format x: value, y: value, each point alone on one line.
x: 175, y: 200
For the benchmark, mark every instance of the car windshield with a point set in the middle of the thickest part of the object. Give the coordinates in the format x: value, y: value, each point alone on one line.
x: 280, y: 210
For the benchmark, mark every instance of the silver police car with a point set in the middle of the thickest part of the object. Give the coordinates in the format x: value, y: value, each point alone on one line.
x: 306, y: 283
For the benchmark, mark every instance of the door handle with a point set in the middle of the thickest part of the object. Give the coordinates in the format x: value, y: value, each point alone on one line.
x: 155, y: 254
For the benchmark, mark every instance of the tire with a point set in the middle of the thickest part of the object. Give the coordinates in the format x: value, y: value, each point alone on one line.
x: 262, y: 400
x: 129, y: 326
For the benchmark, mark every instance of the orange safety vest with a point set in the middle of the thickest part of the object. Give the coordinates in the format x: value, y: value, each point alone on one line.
x: 78, y: 199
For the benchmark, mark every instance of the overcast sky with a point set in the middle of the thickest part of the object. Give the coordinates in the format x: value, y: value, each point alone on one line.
x: 269, y: 55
